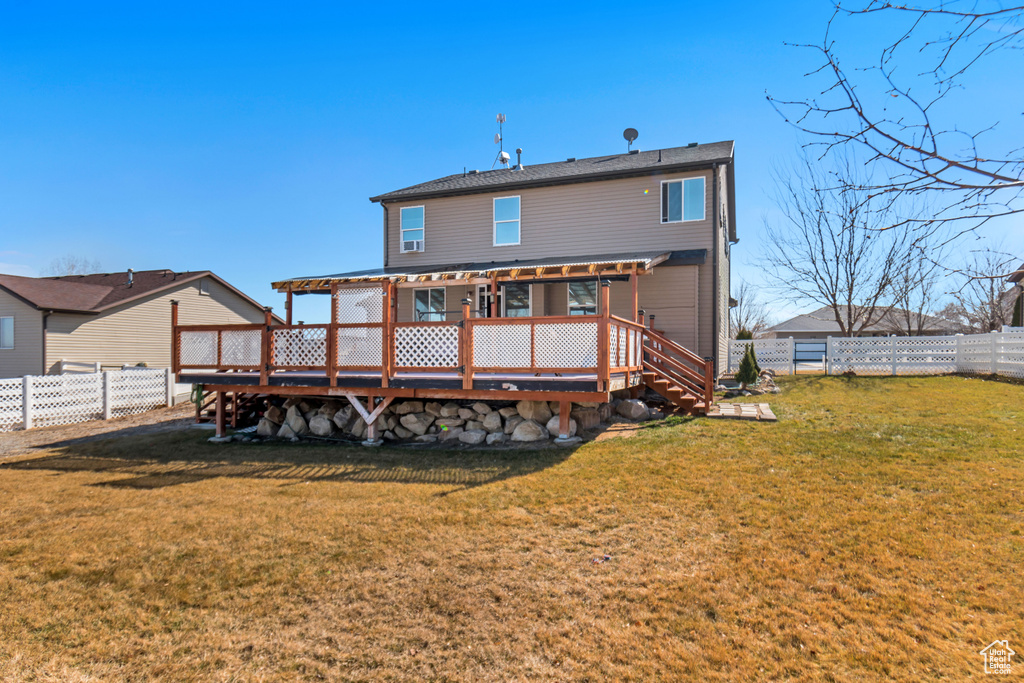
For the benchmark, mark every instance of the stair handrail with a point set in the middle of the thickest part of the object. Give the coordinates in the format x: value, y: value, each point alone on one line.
x: 708, y: 383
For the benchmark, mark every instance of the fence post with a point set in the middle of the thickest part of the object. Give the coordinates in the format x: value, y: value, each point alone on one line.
x: 828, y: 355
x: 26, y: 402
x: 96, y: 367
x: 792, y: 356
x: 994, y: 365
x: 892, y: 349
x: 169, y: 380
x: 957, y: 359
x: 108, y: 396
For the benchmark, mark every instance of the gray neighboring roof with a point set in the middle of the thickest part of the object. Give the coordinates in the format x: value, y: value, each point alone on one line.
x: 563, y: 172
x: 1018, y: 276
x: 823, y: 320
x: 648, y: 258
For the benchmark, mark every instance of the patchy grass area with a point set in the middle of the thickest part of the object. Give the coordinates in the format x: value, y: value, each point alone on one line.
x: 875, y: 532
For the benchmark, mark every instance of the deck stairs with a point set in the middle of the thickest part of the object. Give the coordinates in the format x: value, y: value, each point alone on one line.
x: 237, y: 410
x: 677, y: 374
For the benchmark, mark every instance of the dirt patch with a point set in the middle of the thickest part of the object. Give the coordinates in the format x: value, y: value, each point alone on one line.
x: 160, y: 420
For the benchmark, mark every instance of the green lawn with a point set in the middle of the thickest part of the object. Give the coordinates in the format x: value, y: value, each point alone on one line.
x: 874, y: 532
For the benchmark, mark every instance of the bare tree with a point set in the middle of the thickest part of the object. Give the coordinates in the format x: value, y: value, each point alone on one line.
x: 831, y: 245
x: 917, y: 288
x: 897, y: 109
x: 750, y: 314
x: 70, y: 264
x: 983, y: 303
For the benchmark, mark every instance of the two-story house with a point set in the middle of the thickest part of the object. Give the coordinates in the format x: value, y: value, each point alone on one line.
x: 566, y: 281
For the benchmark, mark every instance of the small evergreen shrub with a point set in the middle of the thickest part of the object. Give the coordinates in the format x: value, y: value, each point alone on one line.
x: 747, y: 372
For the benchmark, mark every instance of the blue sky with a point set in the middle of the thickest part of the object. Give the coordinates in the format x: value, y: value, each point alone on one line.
x: 247, y: 138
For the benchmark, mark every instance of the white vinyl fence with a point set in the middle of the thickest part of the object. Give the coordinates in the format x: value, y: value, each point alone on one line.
x: 44, y: 400
x: 997, y: 353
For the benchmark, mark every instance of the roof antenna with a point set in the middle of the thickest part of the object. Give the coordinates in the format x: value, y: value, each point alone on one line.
x: 630, y: 134
x: 503, y: 156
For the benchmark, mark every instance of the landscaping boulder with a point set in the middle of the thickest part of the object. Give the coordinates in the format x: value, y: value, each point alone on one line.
x: 289, y: 402
x: 554, y: 407
x: 275, y: 415
x: 450, y: 422
x: 286, y: 432
x: 473, y: 425
x: 426, y: 438
x: 633, y: 409
x: 407, y: 407
x: 450, y: 409
x: 467, y: 414
x: 552, y: 426
x: 529, y: 430
x: 508, y: 411
x: 538, y: 411
x: 343, y: 418
x: 586, y: 418
x: 321, y: 425
x: 587, y: 404
x: 295, y: 420
x: 390, y: 435
x: 496, y: 437
x: 512, y: 423
x: 473, y: 437
x: 450, y: 434
x: 433, y: 408
x: 403, y: 433
x: 417, y: 423
x: 359, y: 428
x: 481, y: 408
x: 606, y: 410
x: 267, y: 428
x: 330, y: 409
x: 492, y: 422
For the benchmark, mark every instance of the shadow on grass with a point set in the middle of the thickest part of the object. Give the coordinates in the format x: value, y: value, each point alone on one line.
x: 174, y: 458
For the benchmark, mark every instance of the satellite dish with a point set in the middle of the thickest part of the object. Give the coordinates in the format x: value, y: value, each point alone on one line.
x: 501, y: 118
x: 630, y: 134
x: 497, y: 138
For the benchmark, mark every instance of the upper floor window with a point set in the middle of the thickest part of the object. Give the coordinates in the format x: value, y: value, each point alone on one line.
x: 506, y: 221
x: 204, y: 287
x: 412, y: 228
x: 583, y: 298
x: 682, y: 200
x: 7, y: 333
x: 429, y: 304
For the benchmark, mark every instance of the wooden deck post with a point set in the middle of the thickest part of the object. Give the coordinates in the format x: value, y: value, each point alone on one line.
x: 635, y: 298
x: 388, y: 332
x: 175, y: 347
x: 265, y: 354
x: 467, y: 344
x: 221, y: 397
x: 288, y: 306
x: 603, y: 332
x: 564, y: 408
x: 494, y: 295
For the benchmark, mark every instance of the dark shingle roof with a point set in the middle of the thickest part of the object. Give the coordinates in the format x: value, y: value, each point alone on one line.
x: 823, y: 320
x: 563, y: 172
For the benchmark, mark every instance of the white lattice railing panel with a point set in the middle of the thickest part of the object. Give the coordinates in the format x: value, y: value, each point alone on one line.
x: 300, y: 347
x: 772, y: 354
x: 565, y: 345
x: 136, y: 391
x: 198, y: 349
x: 360, y: 346
x: 869, y: 355
x: 240, y: 348
x: 616, y: 345
x: 925, y: 355
x: 10, y: 404
x: 66, y: 399
x: 427, y: 347
x: 974, y: 353
x: 1010, y: 354
x: 359, y: 305
x: 501, y: 346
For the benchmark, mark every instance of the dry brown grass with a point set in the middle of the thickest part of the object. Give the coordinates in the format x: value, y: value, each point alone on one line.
x: 874, y: 533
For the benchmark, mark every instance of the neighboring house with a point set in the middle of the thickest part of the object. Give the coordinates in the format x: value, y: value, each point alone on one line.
x: 113, y: 319
x: 822, y: 323
x: 1018, y: 303
x: 544, y: 235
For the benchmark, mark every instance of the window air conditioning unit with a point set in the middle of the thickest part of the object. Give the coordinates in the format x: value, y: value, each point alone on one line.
x: 412, y: 245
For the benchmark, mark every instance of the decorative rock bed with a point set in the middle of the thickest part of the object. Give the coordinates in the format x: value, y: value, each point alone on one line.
x: 474, y: 423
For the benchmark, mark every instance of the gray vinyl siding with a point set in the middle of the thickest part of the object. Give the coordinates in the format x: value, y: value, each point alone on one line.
x: 26, y: 358
x: 140, y: 331
x: 673, y: 296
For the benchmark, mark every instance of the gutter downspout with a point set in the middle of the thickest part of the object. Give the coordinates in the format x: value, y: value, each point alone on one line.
x: 714, y: 263
x: 385, y: 207
x: 46, y: 314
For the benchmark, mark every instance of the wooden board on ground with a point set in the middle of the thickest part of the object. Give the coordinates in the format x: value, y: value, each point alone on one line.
x: 743, y: 411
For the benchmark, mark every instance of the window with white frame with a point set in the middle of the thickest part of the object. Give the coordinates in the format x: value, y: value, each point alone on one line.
x: 7, y: 332
x: 583, y: 298
x: 506, y: 221
x: 412, y: 228
x: 517, y: 300
x: 682, y: 200
x: 204, y: 287
x: 429, y: 304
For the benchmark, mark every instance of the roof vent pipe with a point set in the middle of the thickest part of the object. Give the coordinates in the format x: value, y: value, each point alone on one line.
x: 131, y: 277
x: 519, y: 159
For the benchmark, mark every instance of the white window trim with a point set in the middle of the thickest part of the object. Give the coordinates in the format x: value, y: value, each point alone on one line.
x: 11, y: 347
x: 401, y: 229
x: 504, y: 300
x: 494, y: 222
x: 444, y: 303
x: 703, y: 204
x: 568, y: 300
